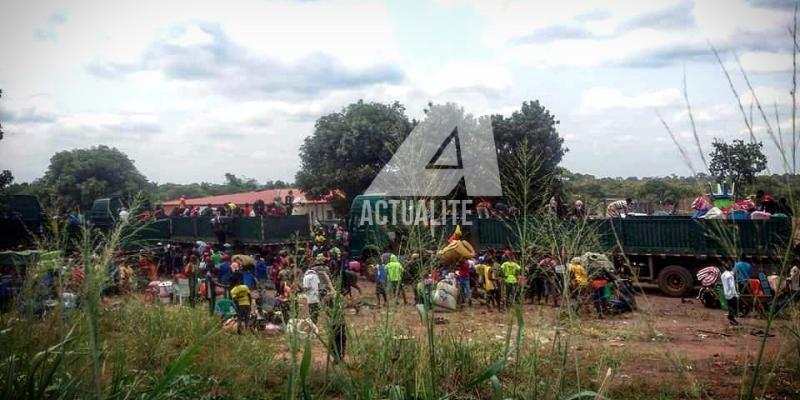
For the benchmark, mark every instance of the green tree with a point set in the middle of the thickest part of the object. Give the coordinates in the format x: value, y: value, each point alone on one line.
x: 535, y: 125
x: 75, y: 178
x: 348, y: 148
x: 738, y: 162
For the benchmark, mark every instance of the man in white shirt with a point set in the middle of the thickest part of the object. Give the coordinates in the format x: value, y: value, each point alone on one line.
x: 731, y: 295
x: 311, y: 288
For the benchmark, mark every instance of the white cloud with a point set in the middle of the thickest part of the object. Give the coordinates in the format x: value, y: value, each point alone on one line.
x: 768, y: 96
x: 766, y: 61
x: 605, y: 97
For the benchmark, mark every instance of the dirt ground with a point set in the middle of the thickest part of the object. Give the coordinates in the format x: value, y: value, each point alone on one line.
x: 668, y: 341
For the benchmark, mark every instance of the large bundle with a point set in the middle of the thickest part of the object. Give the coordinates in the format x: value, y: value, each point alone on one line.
x: 708, y: 276
x: 596, y: 263
x: 245, y: 260
x: 455, y: 251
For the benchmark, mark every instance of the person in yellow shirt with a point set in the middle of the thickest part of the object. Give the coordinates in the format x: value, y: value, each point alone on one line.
x: 240, y: 294
x: 488, y: 278
x: 577, y: 273
x: 511, y: 271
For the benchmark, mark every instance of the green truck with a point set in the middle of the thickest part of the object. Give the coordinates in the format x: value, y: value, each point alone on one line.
x: 20, y: 223
x: 263, y: 230
x: 666, y: 250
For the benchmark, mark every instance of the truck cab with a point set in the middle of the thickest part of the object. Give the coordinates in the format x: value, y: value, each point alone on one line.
x: 366, y: 238
x: 105, y: 212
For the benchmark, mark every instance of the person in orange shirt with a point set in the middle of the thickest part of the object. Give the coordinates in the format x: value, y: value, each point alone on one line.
x: 148, y: 268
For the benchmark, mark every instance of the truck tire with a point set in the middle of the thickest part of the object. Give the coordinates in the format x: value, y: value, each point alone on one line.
x: 675, y: 281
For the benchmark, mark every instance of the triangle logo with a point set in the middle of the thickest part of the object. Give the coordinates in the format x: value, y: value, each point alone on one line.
x: 448, y: 156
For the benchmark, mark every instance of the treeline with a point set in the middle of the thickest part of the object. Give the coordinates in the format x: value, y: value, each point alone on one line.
x: 666, y: 190
x: 75, y: 178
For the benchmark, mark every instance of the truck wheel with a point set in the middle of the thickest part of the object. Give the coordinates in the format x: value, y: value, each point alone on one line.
x: 675, y: 281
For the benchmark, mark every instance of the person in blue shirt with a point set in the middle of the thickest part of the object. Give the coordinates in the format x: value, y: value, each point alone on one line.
x: 225, y: 270
x: 261, y: 271
x: 380, y: 283
x: 249, y: 280
x: 741, y: 271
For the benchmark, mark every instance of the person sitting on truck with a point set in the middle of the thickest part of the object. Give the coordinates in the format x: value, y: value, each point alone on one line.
x: 578, y: 212
x: 619, y: 208
x: 483, y: 208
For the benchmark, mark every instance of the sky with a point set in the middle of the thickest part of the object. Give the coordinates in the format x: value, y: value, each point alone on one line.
x: 193, y: 89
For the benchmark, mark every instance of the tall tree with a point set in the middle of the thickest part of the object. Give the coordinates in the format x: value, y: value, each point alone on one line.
x: 534, y: 126
x: 738, y: 162
x: 75, y: 178
x: 348, y: 148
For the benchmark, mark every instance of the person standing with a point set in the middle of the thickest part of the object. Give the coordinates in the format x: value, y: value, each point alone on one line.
x: 741, y: 272
x: 511, y: 271
x: 395, y: 271
x: 487, y: 276
x: 465, y: 291
x: 380, y: 284
x: 225, y: 270
x: 731, y: 294
x: 261, y: 271
x: 311, y: 288
x: 240, y: 294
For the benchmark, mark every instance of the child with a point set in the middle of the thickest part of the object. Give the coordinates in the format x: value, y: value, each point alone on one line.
x: 240, y: 294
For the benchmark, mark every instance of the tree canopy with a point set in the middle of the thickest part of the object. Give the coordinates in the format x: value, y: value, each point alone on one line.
x: 349, y: 147
x: 738, y: 162
x: 75, y: 178
x: 535, y: 127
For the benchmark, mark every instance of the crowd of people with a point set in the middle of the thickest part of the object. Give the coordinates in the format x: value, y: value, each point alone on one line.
x: 278, y: 207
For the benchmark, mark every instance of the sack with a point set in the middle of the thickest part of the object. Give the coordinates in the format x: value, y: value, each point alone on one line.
x: 304, y: 328
x: 447, y: 287
x: 455, y: 251
x: 714, y: 213
x: 444, y: 300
